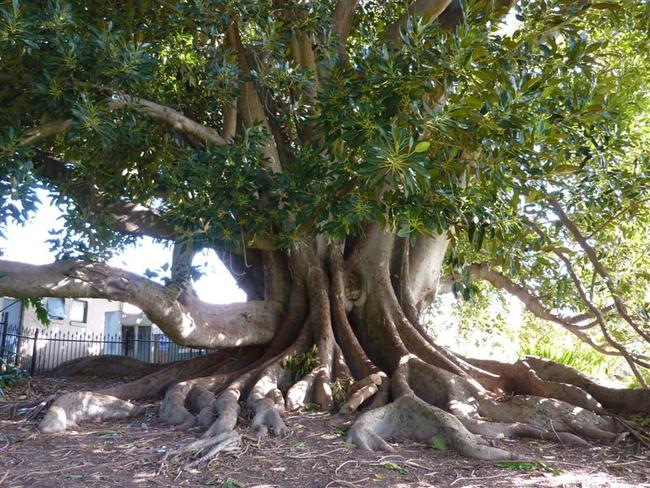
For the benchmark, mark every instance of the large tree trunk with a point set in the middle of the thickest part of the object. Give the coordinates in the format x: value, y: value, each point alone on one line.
x: 336, y: 313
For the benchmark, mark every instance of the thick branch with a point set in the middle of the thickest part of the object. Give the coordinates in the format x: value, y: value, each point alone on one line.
x: 230, y: 121
x: 136, y: 219
x: 161, y: 113
x: 343, y: 16
x: 129, y: 218
x: 187, y: 321
x: 169, y: 116
x: 250, y: 104
x: 46, y: 130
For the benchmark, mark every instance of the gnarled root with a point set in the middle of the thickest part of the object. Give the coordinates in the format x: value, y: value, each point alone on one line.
x: 621, y: 399
x: 105, y: 366
x: 518, y: 416
x: 434, y: 402
x: 409, y: 417
x: 73, y: 408
x: 266, y: 403
x: 363, y: 390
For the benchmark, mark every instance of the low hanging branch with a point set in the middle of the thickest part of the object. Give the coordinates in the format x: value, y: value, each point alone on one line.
x: 534, y: 305
x: 186, y: 319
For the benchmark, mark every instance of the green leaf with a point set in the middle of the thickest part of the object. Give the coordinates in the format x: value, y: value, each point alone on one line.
x: 528, y: 466
x: 422, y: 146
x: 438, y: 443
x: 394, y: 467
x: 231, y: 483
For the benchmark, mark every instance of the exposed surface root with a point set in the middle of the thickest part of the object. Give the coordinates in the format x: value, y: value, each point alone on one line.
x: 301, y: 392
x: 418, y: 415
x: 516, y: 416
x: 105, y: 366
x: 172, y: 409
x: 266, y: 402
x: 65, y: 413
x: 473, y: 411
x: 362, y: 391
x: 621, y: 399
x: 408, y: 417
x: 227, y: 410
x: 112, y: 403
x: 542, y: 377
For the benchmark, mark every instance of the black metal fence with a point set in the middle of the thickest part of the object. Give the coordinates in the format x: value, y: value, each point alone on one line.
x: 41, y: 350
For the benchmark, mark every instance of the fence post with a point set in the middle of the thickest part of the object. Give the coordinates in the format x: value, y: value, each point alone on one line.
x: 19, y: 339
x: 5, y: 327
x: 34, y: 352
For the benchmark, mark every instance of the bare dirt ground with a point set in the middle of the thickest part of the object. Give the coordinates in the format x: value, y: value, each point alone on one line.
x: 136, y: 453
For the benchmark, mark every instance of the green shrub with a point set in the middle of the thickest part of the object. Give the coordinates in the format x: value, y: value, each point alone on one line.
x: 11, y: 376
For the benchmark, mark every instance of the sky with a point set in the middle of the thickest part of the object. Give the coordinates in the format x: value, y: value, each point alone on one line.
x: 26, y: 243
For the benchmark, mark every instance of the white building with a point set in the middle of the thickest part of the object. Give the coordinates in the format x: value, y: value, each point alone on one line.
x: 79, y: 328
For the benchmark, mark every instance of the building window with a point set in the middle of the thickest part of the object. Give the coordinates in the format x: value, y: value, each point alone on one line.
x: 79, y: 311
x: 56, y: 308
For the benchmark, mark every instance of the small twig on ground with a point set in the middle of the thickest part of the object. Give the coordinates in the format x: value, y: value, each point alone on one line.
x: 556, y: 435
x: 413, y: 464
x: 336, y: 471
x: 353, y: 484
x: 474, y: 478
x: 309, y: 455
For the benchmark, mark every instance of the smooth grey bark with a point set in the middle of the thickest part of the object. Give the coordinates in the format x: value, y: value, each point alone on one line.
x: 185, y: 318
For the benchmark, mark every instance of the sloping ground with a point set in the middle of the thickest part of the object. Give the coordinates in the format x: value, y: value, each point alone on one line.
x: 139, y: 453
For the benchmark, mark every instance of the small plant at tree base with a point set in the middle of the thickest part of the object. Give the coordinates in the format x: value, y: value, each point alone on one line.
x: 301, y: 364
x: 11, y: 376
x: 340, y: 391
